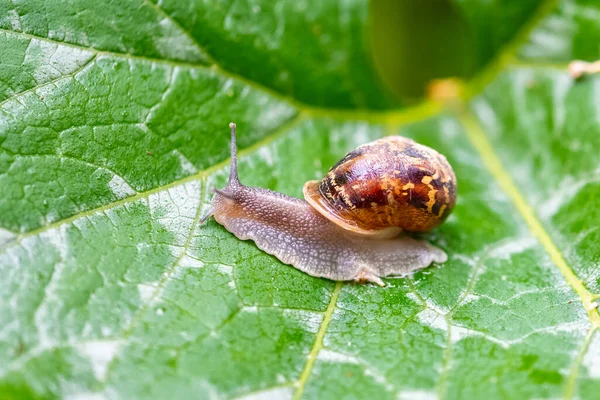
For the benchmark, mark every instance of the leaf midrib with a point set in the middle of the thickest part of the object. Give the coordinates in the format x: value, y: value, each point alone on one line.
x: 494, y: 165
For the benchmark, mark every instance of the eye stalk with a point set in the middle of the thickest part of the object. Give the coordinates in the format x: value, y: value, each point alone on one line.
x: 233, y: 174
x: 233, y: 182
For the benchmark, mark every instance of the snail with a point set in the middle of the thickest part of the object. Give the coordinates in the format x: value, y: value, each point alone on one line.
x: 350, y: 225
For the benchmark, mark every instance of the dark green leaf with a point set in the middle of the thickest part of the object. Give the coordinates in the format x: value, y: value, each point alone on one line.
x: 113, y: 132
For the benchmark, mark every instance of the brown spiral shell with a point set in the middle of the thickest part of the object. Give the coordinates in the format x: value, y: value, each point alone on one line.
x: 386, y: 186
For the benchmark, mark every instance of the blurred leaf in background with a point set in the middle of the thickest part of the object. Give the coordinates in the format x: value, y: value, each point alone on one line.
x: 113, y: 131
x: 414, y: 42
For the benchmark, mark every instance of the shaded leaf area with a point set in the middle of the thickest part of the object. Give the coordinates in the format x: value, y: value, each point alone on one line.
x: 258, y: 39
x: 494, y: 23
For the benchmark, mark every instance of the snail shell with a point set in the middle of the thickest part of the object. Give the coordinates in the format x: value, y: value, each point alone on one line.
x: 384, y: 187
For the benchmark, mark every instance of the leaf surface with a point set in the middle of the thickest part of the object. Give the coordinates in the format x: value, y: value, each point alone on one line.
x: 113, y: 132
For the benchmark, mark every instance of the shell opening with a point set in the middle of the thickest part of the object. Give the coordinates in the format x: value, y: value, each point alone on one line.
x: 314, y: 198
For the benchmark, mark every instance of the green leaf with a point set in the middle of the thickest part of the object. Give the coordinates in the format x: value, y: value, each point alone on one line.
x: 113, y: 132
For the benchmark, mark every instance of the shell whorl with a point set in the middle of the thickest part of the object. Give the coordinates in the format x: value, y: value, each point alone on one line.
x: 386, y: 186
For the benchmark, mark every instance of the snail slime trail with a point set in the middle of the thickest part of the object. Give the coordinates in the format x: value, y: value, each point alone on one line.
x: 349, y: 227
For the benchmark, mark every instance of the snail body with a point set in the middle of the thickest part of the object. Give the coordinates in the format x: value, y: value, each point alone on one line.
x: 329, y: 234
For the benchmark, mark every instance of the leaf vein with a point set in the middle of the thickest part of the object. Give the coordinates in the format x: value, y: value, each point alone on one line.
x: 396, y: 116
x: 48, y: 83
x: 163, y: 279
x: 494, y: 165
x: 572, y: 379
x: 318, y: 344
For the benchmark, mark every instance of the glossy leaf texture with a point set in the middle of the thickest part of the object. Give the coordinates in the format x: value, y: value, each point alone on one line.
x: 113, y: 132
